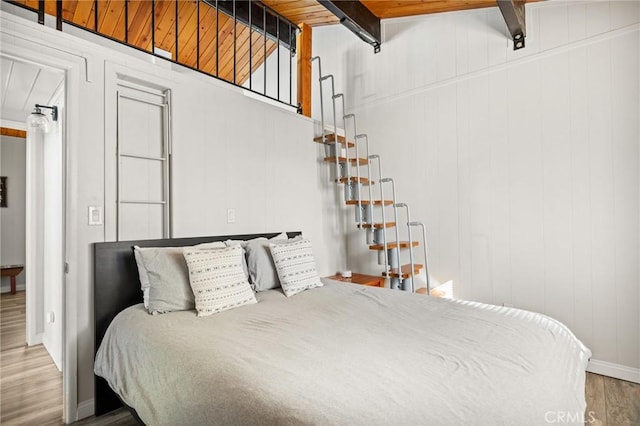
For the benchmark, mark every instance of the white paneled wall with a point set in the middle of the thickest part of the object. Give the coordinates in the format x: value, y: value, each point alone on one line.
x: 523, y: 164
x: 229, y: 151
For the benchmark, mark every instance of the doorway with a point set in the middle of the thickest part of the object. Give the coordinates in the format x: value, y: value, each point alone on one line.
x: 25, y: 85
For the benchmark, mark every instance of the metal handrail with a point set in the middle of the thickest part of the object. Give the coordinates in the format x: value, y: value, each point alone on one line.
x: 324, y: 139
x: 335, y: 123
x: 355, y: 142
x: 424, y: 242
x: 395, y: 215
x: 411, y: 263
x: 384, y: 220
x: 369, y: 183
x: 291, y: 28
x: 347, y: 166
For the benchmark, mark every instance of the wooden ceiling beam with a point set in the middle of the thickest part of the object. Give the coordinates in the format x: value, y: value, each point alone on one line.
x: 514, y: 16
x: 357, y: 18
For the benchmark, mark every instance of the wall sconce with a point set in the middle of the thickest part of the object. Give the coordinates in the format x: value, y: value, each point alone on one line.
x: 38, y: 120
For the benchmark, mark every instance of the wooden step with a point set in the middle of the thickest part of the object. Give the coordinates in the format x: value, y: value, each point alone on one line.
x: 366, y: 202
x: 406, y: 271
x: 359, y: 161
x: 434, y: 292
x: 376, y: 225
x: 363, y: 180
x: 331, y: 139
x: 392, y: 245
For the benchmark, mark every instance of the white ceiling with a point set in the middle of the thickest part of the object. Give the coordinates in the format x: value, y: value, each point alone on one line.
x: 23, y: 85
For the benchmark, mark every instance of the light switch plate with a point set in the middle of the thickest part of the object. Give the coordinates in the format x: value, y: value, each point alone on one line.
x: 231, y: 216
x: 95, y: 215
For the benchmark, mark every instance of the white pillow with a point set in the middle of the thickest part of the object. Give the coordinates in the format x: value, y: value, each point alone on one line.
x: 152, y: 252
x: 295, y: 265
x: 262, y: 271
x: 217, y: 279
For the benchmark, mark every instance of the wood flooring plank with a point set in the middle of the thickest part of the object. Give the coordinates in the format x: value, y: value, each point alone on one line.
x: 622, y: 401
x: 30, y: 383
x: 595, y: 412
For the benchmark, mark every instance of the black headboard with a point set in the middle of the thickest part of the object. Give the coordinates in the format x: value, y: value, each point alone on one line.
x: 116, y: 286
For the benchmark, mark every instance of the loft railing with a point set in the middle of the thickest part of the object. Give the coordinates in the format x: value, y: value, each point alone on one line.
x: 227, y: 39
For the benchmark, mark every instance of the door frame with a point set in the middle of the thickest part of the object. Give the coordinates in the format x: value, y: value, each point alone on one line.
x: 72, y: 66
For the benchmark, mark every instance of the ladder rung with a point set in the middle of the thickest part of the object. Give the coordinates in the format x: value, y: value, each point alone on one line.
x: 376, y: 225
x: 331, y: 139
x: 363, y: 180
x: 405, y: 270
x: 360, y: 161
x: 392, y: 245
x: 366, y: 202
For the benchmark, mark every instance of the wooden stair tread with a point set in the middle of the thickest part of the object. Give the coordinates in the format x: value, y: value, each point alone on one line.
x: 434, y: 292
x: 376, y: 225
x: 363, y: 180
x: 405, y: 270
x: 330, y: 138
x: 392, y: 245
x: 366, y: 202
x: 360, y: 161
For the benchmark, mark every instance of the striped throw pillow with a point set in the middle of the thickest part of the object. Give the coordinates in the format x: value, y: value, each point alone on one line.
x: 217, y: 279
x: 295, y: 265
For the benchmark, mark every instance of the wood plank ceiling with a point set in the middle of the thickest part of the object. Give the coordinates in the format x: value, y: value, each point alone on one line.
x: 394, y: 9
x: 309, y: 12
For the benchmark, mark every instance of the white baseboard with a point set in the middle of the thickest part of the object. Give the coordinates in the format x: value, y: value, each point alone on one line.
x: 36, y: 340
x: 617, y: 371
x: 85, y: 409
x: 6, y: 288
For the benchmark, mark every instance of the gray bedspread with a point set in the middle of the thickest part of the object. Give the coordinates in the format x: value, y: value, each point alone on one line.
x: 346, y: 354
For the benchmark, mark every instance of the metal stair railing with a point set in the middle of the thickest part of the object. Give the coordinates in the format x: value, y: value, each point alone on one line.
x: 324, y: 139
x: 369, y: 182
x: 384, y: 220
x: 424, y: 247
x: 368, y: 217
x: 347, y: 164
x: 411, y: 262
x: 357, y: 184
x: 335, y: 122
x: 394, y: 282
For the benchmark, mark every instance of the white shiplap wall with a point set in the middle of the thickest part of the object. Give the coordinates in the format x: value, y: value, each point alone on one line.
x: 523, y: 164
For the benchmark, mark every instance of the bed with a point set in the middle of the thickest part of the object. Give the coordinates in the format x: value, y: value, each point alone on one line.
x: 337, y: 354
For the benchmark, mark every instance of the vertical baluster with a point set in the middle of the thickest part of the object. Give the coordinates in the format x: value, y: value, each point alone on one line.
x: 250, y: 44
x: 153, y: 26
x: 59, y: 15
x: 264, y: 53
x: 198, y: 34
x: 290, y: 66
x: 235, y: 38
x: 175, y: 27
x: 278, y: 55
x: 95, y: 15
x: 41, y: 12
x: 126, y: 21
x: 217, y: 37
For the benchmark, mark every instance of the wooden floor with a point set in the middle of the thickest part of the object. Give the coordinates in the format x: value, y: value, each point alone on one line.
x: 31, y: 386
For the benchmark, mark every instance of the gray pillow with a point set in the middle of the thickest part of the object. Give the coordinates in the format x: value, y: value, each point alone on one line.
x: 262, y: 270
x: 164, y: 277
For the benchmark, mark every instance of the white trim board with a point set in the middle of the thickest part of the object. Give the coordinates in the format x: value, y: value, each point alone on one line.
x: 616, y: 371
x: 85, y: 409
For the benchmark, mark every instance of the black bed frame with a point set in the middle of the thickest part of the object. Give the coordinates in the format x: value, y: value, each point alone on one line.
x: 116, y: 286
